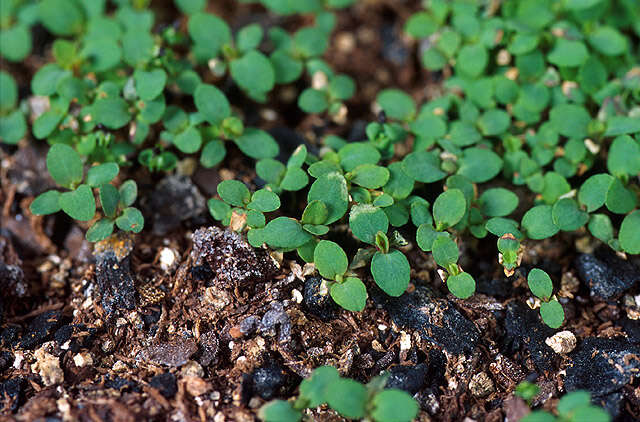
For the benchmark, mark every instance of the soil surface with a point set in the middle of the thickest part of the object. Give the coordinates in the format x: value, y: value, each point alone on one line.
x: 187, y: 322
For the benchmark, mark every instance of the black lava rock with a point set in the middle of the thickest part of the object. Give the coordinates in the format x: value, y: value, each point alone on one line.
x: 11, y: 392
x: 500, y: 288
x: 6, y: 359
x: 393, y: 49
x: 632, y: 329
x: 40, y: 328
x: 318, y: 305
x: 202, y: 272
x: 116, y: 282
x: 607, y: 275
x: 436, y: 319
x: 165, y: 383
x: 523, y: 327
x: 63, y: 334
x: 602, y: 366
x: 175, y: 199
x: 10, y: 335
x: 121, y: 384
x: 409, y: 378
x: 269, y: 381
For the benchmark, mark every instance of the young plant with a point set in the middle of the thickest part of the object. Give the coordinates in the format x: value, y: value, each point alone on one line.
x: 78, y: 202
x: 541, y: 286
x: 349, y: 398
x: 573, y: 407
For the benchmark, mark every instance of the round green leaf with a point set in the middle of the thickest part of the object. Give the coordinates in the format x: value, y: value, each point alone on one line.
x: 128, y: 193
x: 46, y: 79
x: 630, y: 233
x: 211, y: 103
x: 498, y: 202
x: 212, y: 153
x: 137, y: 47
x: 101, y: 174
x: 13, y: 127
x: 538, y: 222
x: 552, y: 313
x: 61, y: 17
x: 620, y: 199
x: 253, y: 72
x: 608, y: 41
x: 111, y: 112
x: 15, y: 42
x: 189, y: 7
x: 313, y: 101
x: 494, y: 122
x: 449, y: 208
x: 355, y: 154
x: 394, y: 405
x: 219, y: 210
x: 189, y: 140
x: 8, y: 91
x: 396, y: 104
x: 570, y: 120
x: 264, y: 200
x: 370, y: 176
x: 109, y: 198
x: 366, y: 221
x: 568, y: 216
x: 600, y: 227
x: 540, y: 283
x: 234, y: 192
x: 461, y: 285
x: 65, y: 165
x: 342, y: 87
x: 100, y: 230
x: 315, y: 387
x: 426, y: 236
x: 499, y: 226
x: 294, y: 179
x: 444, y: 251
x: 209, y: 32
x: 285, y: 233
x: 311, y: 41
x: 149, y: 84
x: 423, y: 166
x: 255, y: 219
x: 331, y: 189
x: 399, y: 185
x: 351, y: 294
x: 46, y: 203
x: 131, y: 220
x: 622, y: 159
x: 249, y: 37
x: 287, y: 69
x: 79, y: 204
x: 479, y: 165
x: 620, y: 125
x: 391, y: 272
x: 279, y: 411
x: 568, y: 53
x: 315, y: 213
x: 330, y: 259
x: 348, y: 398
x: 421, y: 25
x: 257, y: 144
x: 472, y: 60
x: 593, y: 192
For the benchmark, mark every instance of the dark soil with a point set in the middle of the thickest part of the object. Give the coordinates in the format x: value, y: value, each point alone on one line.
x: 186, y: 322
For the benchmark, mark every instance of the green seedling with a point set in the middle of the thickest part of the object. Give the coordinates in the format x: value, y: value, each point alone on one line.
x: 573, y: 407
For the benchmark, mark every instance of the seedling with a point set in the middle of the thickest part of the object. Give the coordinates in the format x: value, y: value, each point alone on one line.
x: 542, y: 287
x: 349, y: 398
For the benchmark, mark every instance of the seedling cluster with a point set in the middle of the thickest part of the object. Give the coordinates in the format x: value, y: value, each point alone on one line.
x: 573, y: 407
x: 539, y: 96
x: 348, y: 397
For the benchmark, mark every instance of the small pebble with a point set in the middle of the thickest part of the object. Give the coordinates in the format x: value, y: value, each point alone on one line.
x: 481, y: 385
x: 562, y: 342
x: 83, y: 359
x: 48, y: 367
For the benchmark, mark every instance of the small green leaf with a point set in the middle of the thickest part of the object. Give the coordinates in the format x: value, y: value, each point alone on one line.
x: 279, y: 411
x: 600, y: 227
x: 630, y: 233
x: 341, y: 87
x: 538, y: 222
x: 189, y: 140
x: 209, y: 33
x: 621, y: 125
x: 426, y: 236
x: 46, y: 203
x: 355, y: 154
x: 313, y: 101
x: 131, y: 220
x: 234, y: 192
x: 294, y: 179
x: 189, y: 7
x: 568, y: 216
x: 449, y: 208
x: 472, y: 60
x: 264, y: 200
x: 570, y: 120
x: 461, y: 285
x: 391, y: 272
x: 15, y: 42
x: 316, y: 229
x: 540, y: 283
x: 370, y: 176
x: 498, y: 202
x: 255, y: 219
x: 253, y: 72
x: 46, y: 123
x: 593, y: 192
x: 421, y: 25
x: 479, y: 165
x: 314, y: 388
x: 219, y: 210
x: 348, y: 398
x: 498, y: 226
x: 315, y: 213
x: 310, y: 41
x: 79, y: 204
x: 351, y: 294
x: 396, y: 104
x: 109, y: 198
x: 620, y: 199
x: 213, y: 153
x: 101, y: 174
x: 394, y: 405
x: 257, y: 144
x: 568, y: 53
x: 13, y: 127
x: 128, y: 193
x: 330, y: 259
x: 572, y: 401
x: 149, y: 84
x: 366, y: 221
x: 111, y: 112
x: 61, y: 17
x: 65, y: 165
x: 552, y: 313
x: 8, y: 92
x: 249, y: 37
x: 423, y: 167
x: 331, y: 189
x: 622, y: 159
x: 211, y: 103
x: 445, y: 251
x: 494, y: 122
x: 100, y: 230
x: 608, y: 41
x: 285, y: 233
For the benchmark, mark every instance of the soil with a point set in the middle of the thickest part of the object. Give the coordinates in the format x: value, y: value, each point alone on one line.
x: 186, y: 322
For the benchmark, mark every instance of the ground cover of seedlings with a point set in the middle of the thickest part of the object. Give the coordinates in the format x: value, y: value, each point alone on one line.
x: 187, y: 322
